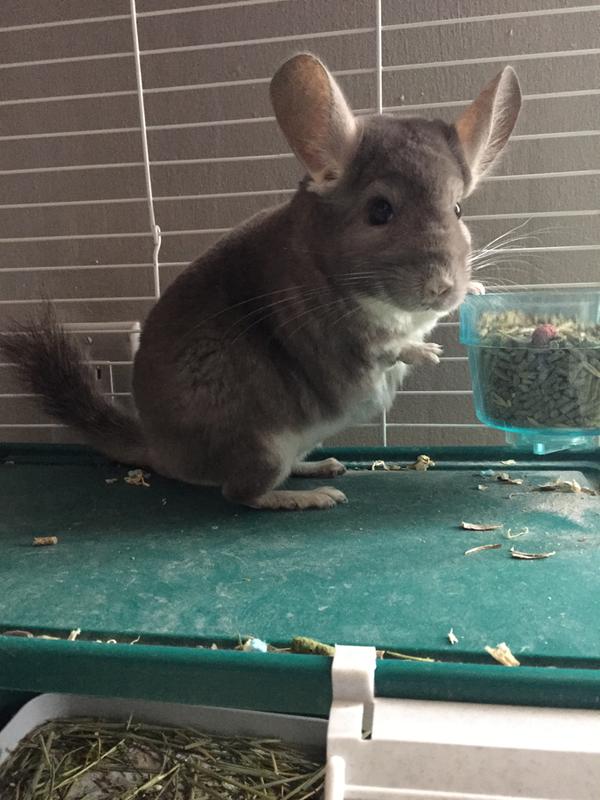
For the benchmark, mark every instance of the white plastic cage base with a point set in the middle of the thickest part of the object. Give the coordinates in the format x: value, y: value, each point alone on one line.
x: 420, y: 749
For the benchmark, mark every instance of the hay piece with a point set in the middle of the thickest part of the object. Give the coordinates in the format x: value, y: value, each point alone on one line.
x: 516, y: 534
x: 92, y: 758
x: 303, y: 644
x: 503, y: 655
x: 481, y: 548
x: 379, y: 465
x: 568, y: 487
x: 530, y: 556
x: 406, y: 657
x: 504, y: 477
x: 44, y: 541
x: 137, y: 477
x: 480, y: 526
x: 422, y: 464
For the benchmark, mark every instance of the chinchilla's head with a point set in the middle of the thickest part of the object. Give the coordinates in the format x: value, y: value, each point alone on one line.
x: 381, y: 203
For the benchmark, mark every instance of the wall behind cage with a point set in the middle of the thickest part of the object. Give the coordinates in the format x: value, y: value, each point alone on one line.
x: 73, y: 204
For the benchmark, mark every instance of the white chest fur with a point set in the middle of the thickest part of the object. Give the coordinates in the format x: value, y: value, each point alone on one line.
x: 405, y: 326
x: 378, y: 388
x: 400, y: 329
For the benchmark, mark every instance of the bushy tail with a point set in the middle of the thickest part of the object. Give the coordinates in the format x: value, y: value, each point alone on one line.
x: 50, y: 365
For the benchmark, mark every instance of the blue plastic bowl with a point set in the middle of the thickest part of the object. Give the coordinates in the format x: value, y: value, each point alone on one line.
x: 534, y: 359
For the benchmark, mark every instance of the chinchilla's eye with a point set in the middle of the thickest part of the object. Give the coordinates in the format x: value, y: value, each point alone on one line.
x: 380, y: 211
x: 458, y: 210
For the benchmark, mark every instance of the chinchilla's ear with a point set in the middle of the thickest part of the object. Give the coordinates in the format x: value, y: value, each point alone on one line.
x: 315, y: 118
x: 483, y: 129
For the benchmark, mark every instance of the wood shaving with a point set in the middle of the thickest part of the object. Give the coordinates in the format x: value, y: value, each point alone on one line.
x: 509, y: 463
x: 503, y: 655
x: 483, y: 488
x: 137, y: 477
x: 480, y: 526
x: 110, y: 481
x: 74, y: 634
x: 504, y: 477
x: 568, y: 487
x: 530, y: 556
x: 452, y: 637
x: 516, y: 534
x: 44, y: 541
x: 481, y: 548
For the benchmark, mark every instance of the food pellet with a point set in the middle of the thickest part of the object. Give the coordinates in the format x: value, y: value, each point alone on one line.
x: 537, y: 371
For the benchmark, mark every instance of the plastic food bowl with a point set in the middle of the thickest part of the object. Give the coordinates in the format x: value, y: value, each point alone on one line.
x: 535, y: 366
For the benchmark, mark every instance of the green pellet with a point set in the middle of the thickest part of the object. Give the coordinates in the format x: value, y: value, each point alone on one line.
x: 556, y: 384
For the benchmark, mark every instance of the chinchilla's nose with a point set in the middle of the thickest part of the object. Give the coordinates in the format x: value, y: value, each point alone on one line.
x: 437, y: 288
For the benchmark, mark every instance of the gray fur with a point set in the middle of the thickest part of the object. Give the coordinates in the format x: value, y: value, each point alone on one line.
x: 273, y: 339
x: 49, y: 363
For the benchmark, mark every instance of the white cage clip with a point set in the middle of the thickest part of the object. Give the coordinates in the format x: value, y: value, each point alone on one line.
x: 391, y: 749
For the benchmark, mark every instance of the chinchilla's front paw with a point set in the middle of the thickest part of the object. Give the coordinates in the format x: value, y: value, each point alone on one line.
x: 475, y: 287
x: 421, y: 353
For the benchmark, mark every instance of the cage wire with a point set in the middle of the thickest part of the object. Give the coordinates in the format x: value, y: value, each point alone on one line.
x: 544, y: 195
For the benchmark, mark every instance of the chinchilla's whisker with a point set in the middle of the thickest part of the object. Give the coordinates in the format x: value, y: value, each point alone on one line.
x: 516, y: 264
x: 271, y: 308
x: 502, y: 243
x: 320, y: 307
x: 246, y: 301
x: 502, y: 282
x: 344, y: 316
x: 349, y: 281
x: 503, y: 238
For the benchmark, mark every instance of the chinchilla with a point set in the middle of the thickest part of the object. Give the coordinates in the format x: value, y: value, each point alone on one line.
x: 302, y: 320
